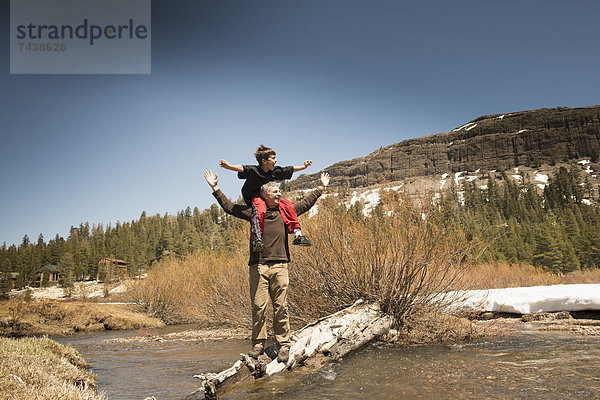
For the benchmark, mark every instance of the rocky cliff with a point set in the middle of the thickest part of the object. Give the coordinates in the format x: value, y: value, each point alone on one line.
x: 498, y: 141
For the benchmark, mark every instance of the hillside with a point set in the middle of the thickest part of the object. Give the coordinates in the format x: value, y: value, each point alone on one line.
x: 492, y: 142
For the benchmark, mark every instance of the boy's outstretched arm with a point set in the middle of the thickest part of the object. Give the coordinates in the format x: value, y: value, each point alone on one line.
x: 236, y: 168
x: 307, y: 164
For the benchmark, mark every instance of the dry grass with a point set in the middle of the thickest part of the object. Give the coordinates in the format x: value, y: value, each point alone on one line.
x: 502, y: 275
x: 206, y: 286
x: 57, y: 318
x: 39, y: 368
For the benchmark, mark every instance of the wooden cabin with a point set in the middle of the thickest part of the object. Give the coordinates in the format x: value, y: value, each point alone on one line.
x: 51, y: 271
x: 110, y: 269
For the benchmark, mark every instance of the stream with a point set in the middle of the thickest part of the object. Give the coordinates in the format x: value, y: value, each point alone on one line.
x: 528, y: 365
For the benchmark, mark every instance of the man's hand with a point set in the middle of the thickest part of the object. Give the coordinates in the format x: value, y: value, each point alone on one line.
x: 307, y: 163
x: 324, y: 180
x: 212, y: 179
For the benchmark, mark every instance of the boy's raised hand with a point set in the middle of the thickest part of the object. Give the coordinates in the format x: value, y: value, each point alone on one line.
x: 224, y: 164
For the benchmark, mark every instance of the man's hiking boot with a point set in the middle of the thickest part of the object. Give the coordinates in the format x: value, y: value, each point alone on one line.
x: 284, y: 355
x: 301, y: 240
x: 257, y: 246
x: 256, y: 351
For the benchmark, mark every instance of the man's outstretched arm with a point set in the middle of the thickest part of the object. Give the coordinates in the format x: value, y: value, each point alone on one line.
x: 237, y: 210
x: 311, y: 198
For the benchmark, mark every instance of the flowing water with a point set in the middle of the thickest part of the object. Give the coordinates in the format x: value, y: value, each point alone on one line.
x: 529, y: 365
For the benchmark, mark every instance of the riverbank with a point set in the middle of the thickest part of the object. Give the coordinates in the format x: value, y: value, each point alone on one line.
x: 40, y: 368
x: 61, y: 318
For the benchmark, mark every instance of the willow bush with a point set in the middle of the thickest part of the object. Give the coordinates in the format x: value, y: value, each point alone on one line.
x: 402, y: 256
x: 210, y: 286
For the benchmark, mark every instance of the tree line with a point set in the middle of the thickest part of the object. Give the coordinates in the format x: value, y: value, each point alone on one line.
x: 137, y: 242
x: 558, y: 230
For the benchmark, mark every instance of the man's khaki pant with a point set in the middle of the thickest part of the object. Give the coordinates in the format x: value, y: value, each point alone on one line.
x: 269, y: 280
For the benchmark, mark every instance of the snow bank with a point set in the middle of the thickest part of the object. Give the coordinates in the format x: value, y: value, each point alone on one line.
x: 525, y: 300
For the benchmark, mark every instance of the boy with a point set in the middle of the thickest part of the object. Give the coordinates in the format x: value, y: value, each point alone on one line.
x: 258, y: 175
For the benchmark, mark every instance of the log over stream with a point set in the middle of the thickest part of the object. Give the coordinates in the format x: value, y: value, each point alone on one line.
x: 317, y: 344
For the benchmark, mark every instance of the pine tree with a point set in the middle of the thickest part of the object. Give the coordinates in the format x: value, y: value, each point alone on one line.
x: 66, y: 266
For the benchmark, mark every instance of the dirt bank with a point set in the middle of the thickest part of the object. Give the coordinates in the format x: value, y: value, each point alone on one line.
x: 578, y: 322
x: 60, y: 318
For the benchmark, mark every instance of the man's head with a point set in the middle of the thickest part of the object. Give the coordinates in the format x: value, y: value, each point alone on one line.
x: 265, y: 157
x: 270, y: 193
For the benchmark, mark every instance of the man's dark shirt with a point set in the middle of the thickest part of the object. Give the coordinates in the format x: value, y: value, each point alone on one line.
x: 275, y: 235
x: 255, y: 177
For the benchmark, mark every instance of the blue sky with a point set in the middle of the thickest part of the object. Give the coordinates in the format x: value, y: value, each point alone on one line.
x: 317, y: 79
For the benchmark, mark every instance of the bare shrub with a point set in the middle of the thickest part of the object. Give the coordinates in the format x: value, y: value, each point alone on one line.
x: 204, y: 286
x: 402, y: 256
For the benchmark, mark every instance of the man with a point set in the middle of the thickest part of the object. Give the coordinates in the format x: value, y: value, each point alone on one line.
x: 268, y: 270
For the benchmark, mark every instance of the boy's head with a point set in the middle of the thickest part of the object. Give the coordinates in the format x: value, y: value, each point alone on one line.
x: 265, y: 157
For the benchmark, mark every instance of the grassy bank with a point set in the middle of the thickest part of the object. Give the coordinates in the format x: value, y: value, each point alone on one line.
x: 40, y: 368
x: 59, y: 318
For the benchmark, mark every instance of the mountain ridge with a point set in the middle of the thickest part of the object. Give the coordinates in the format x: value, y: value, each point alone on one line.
x: 495, y: 141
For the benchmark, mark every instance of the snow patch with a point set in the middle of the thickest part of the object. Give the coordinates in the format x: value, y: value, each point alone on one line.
x: 471, y: 127
x: 443, y: 181
x: 461, y: 197
x: 458, y: 177
x: 518, y: 177
x: 587, y: 202
x: 370, y: 199
x: 468, y: 126
x: 501, y: 117
x: 583, y: 162
x: 313, y: 211
x: 525, y: 300
x: 522, y: 130
x: 541, y: 178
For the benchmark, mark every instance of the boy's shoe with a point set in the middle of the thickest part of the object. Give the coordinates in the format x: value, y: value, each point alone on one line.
x: 257, y: 246
x: 284, y: 355
x: 301, y: 240
x: 256, y: 351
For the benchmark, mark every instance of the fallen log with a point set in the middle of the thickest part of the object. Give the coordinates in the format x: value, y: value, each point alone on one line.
x: 326, y: 340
